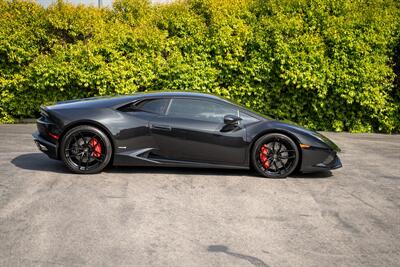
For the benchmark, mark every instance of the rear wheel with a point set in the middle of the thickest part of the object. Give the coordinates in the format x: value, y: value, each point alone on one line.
x: 86, y: 149
x: 275, y: 155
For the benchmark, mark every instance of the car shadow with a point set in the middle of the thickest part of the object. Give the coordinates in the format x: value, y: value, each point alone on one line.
x: 40, y: 162
x: 178, y: 170
x: 314, y: 175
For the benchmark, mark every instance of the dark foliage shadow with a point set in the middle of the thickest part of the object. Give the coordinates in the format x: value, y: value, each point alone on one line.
x: 39, y: 162
x: 224, y: 249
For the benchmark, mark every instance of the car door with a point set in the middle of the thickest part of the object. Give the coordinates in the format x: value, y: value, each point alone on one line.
x: 139, y: 117
x: 193, y: 129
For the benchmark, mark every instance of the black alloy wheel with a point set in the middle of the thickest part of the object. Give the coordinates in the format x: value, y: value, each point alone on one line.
x: 86, y: 149
x: 275, y: 155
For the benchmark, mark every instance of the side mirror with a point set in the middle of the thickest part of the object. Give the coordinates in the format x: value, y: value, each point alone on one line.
x: 231, y: 119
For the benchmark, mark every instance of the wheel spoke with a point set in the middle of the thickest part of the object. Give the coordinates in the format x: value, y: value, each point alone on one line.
x: 98, y: 159
x: 78, y: 145
x: 83, y: 138
x: 280, y: 147
x: 273, y: 147
x: 76, y: 141
x: 284, y: 166
x: 276, y: 167
x: 87, y: 161
x: 283, y: 151
x: 73, y: 152
x: 80, y: 161
x: 270, y: 164
x: 287, y: 157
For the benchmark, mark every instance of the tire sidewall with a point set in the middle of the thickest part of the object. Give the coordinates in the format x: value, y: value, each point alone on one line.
x: 104, y: 138
x: 264, y: 139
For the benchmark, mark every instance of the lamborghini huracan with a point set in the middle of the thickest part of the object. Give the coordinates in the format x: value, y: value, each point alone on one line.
x: 179, y: 129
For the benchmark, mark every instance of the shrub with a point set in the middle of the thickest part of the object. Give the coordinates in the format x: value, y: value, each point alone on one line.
x: 326, y: 64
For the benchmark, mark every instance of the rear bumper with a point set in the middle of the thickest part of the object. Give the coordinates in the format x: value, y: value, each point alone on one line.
x: 45, y: 146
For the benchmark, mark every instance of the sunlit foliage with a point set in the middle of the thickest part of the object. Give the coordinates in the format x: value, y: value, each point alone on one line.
x: 326, y: 64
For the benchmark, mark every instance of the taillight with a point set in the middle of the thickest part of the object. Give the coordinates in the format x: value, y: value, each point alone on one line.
x: 54, y: 135
x: 48, y: 126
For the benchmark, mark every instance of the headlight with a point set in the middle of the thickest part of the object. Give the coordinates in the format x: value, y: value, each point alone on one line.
x: 327, y: 141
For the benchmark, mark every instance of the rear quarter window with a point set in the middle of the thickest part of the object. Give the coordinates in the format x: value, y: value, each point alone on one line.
x: 157, y: 106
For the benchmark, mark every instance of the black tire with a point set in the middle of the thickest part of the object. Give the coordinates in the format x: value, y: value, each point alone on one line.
x: 85, y: 149
x: 275, y: 155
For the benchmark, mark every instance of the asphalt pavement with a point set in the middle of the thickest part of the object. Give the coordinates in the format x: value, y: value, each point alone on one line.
x: 199, y: 217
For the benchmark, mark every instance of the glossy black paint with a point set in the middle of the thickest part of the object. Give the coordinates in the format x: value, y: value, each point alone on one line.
x: 145, y: 138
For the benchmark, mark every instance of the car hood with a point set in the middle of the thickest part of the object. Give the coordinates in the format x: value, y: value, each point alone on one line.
x: 306, y: 132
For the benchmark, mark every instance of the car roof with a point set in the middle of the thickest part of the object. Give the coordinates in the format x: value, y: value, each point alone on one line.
x: 119, y: 101
x: 124, y: 99
x: 177, y: 94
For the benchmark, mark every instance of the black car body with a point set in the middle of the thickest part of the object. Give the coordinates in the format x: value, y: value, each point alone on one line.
x: 177, y: 129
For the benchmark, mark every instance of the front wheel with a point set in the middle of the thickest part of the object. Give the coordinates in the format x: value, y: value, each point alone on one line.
x: 85, y: 149
x: 275, y: 155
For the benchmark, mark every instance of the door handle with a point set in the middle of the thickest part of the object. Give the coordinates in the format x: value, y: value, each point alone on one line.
x: 160, y: 127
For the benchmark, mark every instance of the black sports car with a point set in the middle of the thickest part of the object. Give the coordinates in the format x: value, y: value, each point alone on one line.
x: 177, y: 129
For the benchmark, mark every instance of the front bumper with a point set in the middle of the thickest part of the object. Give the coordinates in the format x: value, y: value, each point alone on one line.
x: 45, y: 146
x: 318, y: 159
x: 331, y: 165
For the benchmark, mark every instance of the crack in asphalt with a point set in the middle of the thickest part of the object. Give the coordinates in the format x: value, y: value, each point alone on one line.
x: 251, y: 259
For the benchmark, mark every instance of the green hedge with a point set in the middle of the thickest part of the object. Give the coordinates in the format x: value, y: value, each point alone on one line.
x: 326, y: 64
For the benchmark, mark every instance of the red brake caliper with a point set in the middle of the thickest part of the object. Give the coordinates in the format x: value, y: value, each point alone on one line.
x: 264, y: 156
x: 95, y: 144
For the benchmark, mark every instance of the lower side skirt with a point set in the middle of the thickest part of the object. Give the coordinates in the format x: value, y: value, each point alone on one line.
x: 134, y: 159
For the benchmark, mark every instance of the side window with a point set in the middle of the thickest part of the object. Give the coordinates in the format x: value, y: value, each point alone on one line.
x: 200, y: 109
x: 246, y: 119
x: 157, y: 106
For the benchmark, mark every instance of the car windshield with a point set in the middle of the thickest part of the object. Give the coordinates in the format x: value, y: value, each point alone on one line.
x: 269, y: 117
